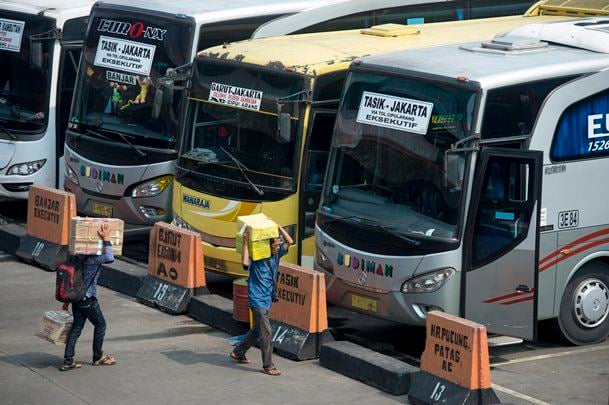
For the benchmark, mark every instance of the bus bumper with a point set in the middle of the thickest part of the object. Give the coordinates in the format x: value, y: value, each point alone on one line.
x: 144, y: 211
x: 409, y: 309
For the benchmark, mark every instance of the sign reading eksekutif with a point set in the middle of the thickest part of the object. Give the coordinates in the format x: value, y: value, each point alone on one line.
x: 402, y: 114
x: 128, y: 56
x: 235, y: 96
x: 11, y: 32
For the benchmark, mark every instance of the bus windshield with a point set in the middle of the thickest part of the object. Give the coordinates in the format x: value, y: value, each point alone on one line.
x: 232, y: 132
x: 24, y: 86
x: 387, y: 164
x: 123, y: 58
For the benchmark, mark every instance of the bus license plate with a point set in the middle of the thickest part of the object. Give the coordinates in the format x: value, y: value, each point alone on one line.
x: 367, y: 304
x: 102, y: 209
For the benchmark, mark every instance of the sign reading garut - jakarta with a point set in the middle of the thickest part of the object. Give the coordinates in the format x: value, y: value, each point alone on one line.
x: 302, y: 298
x: 49, y: 212
x: 456, y: 350
x: 175, y: 256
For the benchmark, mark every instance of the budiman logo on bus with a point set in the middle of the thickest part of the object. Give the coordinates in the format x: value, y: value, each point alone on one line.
x: 366, y: 266
x: 133, y: 30
x: 101, y: 175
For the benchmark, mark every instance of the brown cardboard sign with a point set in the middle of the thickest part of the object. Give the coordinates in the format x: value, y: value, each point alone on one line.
x: 49, y: 212
x: 176, y: 256
x: 302, y: 298
x: 456, y: 350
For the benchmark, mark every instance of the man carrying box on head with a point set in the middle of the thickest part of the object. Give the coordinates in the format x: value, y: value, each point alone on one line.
x: 261, y: 292
x: 88, y: 308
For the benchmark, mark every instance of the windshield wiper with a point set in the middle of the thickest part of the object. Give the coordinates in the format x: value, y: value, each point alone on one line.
x: 392, y: 232
x: 9, y: 133
x: 240, y: 166
x: 123, y: 137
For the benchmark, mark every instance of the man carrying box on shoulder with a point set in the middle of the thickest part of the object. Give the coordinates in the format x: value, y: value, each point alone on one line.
x: 88, y: 308
x: 261, y: 292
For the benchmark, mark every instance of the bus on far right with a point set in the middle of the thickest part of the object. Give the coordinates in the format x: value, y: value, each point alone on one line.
x: 475, y: 187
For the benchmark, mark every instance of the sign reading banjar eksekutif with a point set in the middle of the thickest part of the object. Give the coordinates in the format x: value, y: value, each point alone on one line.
x: 48, y: 214
x: 175, y: 256
x: 299, y: 318
x: 455, y: 364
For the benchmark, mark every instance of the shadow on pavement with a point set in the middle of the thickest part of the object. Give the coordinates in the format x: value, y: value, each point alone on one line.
x: 35, y: 360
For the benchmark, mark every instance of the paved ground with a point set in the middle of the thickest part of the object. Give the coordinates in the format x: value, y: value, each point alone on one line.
x: 167, y: 359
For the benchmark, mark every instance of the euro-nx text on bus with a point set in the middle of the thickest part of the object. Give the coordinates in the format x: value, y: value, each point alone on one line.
x: 434, y: 198
x: 40, y: 45
x: 259, y: 122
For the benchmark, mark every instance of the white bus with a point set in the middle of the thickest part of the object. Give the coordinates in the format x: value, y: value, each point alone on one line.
x: 475, y: 187
x: 40, y: 45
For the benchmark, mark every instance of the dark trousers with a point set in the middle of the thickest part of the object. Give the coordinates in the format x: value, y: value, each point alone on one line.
x: 261, y: 332
x: 83, y: 310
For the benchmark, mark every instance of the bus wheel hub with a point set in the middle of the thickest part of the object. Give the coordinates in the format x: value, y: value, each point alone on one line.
x: 591, y: 303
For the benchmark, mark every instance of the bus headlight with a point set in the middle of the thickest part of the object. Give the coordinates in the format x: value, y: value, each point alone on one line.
x: 152, y: 187
x: 428, y: 282
x: 71, y: 174
x: 26, y: 168
x: 323, y: 261
x: 179, y: 222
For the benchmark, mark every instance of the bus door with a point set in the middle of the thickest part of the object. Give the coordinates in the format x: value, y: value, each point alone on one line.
x: 501, y: 246
x: 313, y: 173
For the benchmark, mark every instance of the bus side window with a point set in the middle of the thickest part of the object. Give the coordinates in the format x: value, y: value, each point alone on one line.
x: 502, y: 218
x: 317, y: 158
x: 69, y: 68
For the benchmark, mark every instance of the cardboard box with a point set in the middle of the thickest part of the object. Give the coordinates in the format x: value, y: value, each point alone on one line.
x: 55, y: 326
x: 259, y: 226
x: 85, y: 240
x: 49, y: 212
x: 259, y: 249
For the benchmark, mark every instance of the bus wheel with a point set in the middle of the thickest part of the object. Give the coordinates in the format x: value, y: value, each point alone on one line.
x: 584, y: 308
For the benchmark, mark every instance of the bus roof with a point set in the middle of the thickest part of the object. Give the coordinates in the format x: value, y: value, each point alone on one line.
x: 208, y: 11
x: 60, y: 10
x: 491, y: 65
x: 320, y: 53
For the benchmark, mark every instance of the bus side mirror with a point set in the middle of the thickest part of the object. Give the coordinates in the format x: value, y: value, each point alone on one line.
x: 36, y: 55
x: 454, y: 167
x: 164, y: 91
x: 285, y: 128
x: 157, y: 103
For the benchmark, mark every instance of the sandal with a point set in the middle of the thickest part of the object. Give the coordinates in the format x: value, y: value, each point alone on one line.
x: 73, y: 366
x: 270, y: 371
x: 105, y: 361
x: 240, y: 359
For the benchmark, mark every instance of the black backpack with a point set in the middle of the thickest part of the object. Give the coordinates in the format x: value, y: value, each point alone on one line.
x: 69, y: 283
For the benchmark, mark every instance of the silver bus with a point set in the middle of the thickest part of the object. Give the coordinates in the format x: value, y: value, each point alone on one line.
x: 40, y: 45
x: 475, y: 187
x: 120, y: 144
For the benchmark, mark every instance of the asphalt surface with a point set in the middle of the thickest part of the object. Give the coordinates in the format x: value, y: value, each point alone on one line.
x: 174, y: 359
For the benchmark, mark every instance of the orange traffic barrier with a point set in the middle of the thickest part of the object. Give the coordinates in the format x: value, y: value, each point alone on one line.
x: 302, y: 298
x: 175, y: 256
x: 299, y: 318
x: 455, y: 364
x: 48, y: 227
x: 175, y: 269
x: 49, y: 212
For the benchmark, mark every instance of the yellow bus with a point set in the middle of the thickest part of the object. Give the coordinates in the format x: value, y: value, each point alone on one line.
x: 257, y: 130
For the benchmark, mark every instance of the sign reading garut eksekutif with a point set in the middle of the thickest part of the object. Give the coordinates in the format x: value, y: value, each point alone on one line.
x: 175, y: 256
x: 49, y: 213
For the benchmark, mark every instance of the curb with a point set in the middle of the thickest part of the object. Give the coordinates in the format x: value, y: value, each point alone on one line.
x: 217, y: 312
x: 10, y: 237
x: 124, y: 277
x: 371, y: 368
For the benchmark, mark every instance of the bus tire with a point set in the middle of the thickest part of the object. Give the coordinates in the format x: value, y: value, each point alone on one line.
x: 584, y: 308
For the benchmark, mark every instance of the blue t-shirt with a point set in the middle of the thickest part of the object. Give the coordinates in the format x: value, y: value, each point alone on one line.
x: 261, y: 283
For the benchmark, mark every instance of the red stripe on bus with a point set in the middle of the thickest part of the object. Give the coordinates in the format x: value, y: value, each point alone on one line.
x: 529, y: 298
x: 574, y: 252
x: 575, y: 242
x: 507, y: 296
